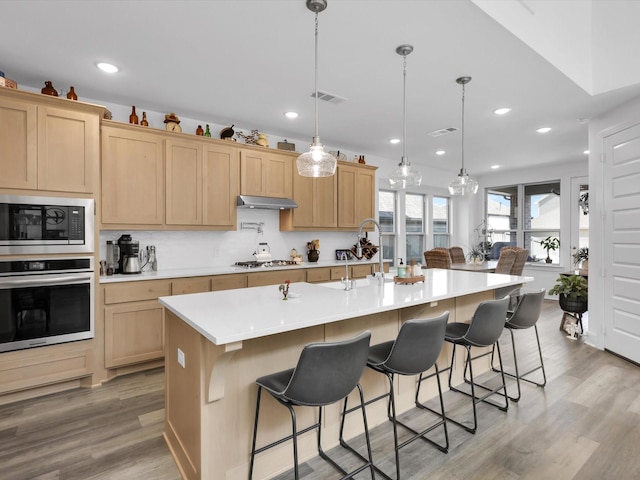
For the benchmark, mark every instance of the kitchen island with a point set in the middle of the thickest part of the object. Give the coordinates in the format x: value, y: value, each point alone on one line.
x: 218, y: 343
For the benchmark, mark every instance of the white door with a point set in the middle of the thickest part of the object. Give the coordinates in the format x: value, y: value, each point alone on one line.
x: 621, y: 197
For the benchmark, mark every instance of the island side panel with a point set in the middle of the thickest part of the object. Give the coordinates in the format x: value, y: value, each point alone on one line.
x: 184, y: 391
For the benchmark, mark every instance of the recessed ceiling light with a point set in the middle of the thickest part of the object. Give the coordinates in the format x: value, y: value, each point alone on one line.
x: 502, y: 111
x: 107, y: 67
x: 440, y: 152
x: 543, y: 129
x: 494, y: 167
x: 586, y: 152
x: 394, y: 141
x: 291, y: 114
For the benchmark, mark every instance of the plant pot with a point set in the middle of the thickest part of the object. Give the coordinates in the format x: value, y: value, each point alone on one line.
x: 313, y: 255
x: 548, y: 260
x: 572, y: 305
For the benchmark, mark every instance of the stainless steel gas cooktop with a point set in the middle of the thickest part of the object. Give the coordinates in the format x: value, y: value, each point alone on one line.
x: 270, y: 263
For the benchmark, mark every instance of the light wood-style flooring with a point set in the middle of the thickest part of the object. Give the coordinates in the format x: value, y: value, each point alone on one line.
x: 585, y: 425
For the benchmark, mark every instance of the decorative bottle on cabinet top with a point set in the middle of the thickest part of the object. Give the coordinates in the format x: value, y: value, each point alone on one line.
x: 144, y: 122
x: 72, y: 94
x: 48, y: 89
x: 133, y: 118
x: 207, y: 132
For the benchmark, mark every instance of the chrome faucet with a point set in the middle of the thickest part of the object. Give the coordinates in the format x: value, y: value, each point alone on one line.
x: 348, y: 284
x: 380, y: 274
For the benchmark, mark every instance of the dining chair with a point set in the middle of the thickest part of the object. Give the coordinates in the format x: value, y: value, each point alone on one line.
x: 437, y: 258
x: 457, y: 255
x: 506, y: 261
x: 522, y: 254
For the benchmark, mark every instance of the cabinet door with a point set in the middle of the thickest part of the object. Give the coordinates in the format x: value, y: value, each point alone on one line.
x: 251, y: 173
x: 18, y: 145
x: 183, y: 173
x: 325, y: 200
x: 275, y: 277
x: 68, y: 150
x: 133, y: 332
x: 182, y: 286
x: 278, y: 171
x: 228, y: 282
x: 220, y: 185
x: 316, y: 199
x: 132, y: 177
x: 347, y: 197
x: 356, y: 195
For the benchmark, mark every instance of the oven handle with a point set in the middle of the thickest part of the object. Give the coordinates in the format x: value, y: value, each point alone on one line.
x: 46, y: 280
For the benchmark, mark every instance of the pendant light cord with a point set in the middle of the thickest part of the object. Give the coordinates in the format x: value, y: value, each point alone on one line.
x: 404, y: 110
x: 316, y: 77
x: 463, y: 170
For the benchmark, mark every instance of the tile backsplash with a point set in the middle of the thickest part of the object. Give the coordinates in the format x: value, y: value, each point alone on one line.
x: 190, y: 249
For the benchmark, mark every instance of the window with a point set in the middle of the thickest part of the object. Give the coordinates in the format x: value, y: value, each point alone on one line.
x: 523, y: 215
x: 414, y: 226
x: 387, y: 201
x: 440, y: 227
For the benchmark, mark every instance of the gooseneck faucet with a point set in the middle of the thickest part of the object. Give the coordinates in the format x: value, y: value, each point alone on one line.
x: 348, y: 285
x: 380, y: 273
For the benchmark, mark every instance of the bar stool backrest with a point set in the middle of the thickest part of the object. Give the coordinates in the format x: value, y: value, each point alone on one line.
x: 417, y: 346
x: 328, y: 372
x: 487, y: 322
x: 527, y: 310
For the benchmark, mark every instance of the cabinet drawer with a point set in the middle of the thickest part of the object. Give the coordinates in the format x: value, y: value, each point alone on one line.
x: 273, y: 278
x: 136, y: 291
x: 182, y: 286
x: 228, y: 282
x: 318, y: 275
x: 361, y: 271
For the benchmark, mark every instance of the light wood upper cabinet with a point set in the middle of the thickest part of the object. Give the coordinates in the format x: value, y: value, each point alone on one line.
x: 221, y: 183
x: 132, y: 176
x: 18, y: 144
x: 266, y: 173
x: 48, y: 147
x: 317, y: 204
x: 356, y: 194
x: 68, y: 149
x: 183, y: 173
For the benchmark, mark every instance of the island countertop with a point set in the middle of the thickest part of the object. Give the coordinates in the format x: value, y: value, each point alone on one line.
x: 229, y: 316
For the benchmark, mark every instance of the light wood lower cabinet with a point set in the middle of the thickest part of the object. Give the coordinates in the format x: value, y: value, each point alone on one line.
x: 182, y: 286
x: 134, y: 333
x: 134, y: 322
x: 273, y: 278
x: 228, y: 282
x: 319, y: 275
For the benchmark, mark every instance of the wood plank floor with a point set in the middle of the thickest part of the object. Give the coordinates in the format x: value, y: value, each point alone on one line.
x: 585, y: 425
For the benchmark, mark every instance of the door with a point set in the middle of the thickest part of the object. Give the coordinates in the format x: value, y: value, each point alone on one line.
x: 621, y: 252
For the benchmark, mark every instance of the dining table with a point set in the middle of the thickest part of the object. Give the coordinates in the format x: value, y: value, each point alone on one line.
x: 486, y: 266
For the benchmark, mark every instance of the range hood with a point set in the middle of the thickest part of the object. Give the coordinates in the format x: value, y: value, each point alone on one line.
x: 269, y: 203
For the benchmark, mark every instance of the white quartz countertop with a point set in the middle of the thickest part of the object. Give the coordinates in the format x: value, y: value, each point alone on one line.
x: 221, y: 270
x: 235, y: 315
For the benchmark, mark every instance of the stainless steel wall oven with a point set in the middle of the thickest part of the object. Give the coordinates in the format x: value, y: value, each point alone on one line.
x: 45, y: 301
x: 44, y: 225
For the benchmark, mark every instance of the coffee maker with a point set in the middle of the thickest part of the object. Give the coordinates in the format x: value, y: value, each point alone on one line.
x: 129, y: 249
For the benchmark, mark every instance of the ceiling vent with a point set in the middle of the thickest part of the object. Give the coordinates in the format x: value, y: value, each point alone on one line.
x: 442, y: 131
x: 329, y: 97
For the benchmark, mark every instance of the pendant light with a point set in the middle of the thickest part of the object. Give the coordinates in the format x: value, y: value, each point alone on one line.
x: 316, y: 162
x: 463, y: 185
x: 404, y: 176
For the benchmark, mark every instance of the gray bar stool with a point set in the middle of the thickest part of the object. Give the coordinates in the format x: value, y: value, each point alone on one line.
x: 484, y: 330
x: 524, y: 316
x: 413, y: 352
x: 325, y: 374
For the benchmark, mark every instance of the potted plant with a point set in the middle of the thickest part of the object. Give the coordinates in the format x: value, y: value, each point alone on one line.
x: 550, y: 243
x: 476, y: 254
x: 573, y: 293
x: 582, y: 255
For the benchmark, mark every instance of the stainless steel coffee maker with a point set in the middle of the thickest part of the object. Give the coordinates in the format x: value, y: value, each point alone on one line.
x: 129, y: 249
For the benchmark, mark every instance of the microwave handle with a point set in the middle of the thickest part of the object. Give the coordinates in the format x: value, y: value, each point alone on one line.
x: 48, y: 280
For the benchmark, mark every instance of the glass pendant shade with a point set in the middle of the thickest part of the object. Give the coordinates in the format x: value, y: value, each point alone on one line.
x: 404, y: 176
x: 463, y: 185
x: 316, y: 162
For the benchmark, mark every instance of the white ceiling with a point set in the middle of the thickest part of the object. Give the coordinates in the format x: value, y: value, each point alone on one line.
x: 246, y: 62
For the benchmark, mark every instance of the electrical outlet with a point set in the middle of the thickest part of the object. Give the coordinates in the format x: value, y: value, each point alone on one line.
x: 432, y: 304
x: 181, y: 358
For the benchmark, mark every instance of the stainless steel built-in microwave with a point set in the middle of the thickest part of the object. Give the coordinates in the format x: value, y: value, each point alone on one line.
x: 46, y: 225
